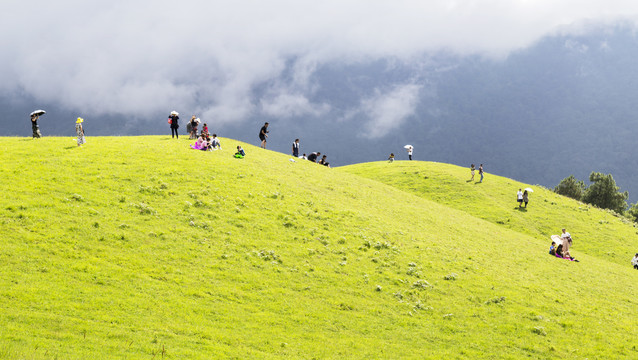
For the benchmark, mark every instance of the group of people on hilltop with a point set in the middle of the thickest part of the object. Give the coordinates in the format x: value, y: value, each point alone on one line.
x: 79, y: 128
x: 314, y: 156
x: 203, y: 140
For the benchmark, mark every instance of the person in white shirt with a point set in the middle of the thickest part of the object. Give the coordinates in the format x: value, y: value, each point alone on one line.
x: 634, y: 261
x: 519, y: 197
x: 567, y: 242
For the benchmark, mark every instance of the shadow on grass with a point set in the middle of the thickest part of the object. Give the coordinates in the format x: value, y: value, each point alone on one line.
x: 521, y: 209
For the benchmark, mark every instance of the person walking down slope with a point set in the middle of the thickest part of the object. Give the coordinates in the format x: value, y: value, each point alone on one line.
x: 295, y: 148
x: 525, y: 197
x: 79, y: 130
x: 519, y: 198
x: 34, y: 126
x: 634, y: 261
x: 173, y: 119
x: 472, y: 172
x: 481, y: 172
x: 263, y: 134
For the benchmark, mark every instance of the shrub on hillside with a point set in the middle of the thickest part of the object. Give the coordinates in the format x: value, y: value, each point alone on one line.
x: 633, y: 212
x: 571, y: 187
x: 604, y: 193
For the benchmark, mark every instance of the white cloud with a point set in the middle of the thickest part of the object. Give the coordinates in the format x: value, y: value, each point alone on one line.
x: 292, y: 105
x: 144, y: 58
x: 386, y: 111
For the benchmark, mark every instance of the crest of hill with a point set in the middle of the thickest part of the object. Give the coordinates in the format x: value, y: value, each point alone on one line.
x: 140, y: 247
x: 596, y: 232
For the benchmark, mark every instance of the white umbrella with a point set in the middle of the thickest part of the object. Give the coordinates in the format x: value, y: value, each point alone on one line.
x: 529, y: 190
x: 38, y: 112
x: 174, y: 113
x: 407, y: 146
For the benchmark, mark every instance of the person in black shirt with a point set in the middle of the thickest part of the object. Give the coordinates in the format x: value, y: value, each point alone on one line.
x: 324, y: 161
x: 295, y: 148
x: 263, y: 134
x: 173, y: 119
x: 313, y: 157
x: 34, y: 126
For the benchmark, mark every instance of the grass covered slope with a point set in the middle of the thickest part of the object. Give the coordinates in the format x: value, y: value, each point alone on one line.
x: 141, y: 248
x: 595, y: 232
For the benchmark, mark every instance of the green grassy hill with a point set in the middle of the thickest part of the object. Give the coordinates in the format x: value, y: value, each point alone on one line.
x: 595, y: 232
x: 138, y: 247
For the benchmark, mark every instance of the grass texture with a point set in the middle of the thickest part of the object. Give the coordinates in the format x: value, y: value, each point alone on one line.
x: 138, y: 247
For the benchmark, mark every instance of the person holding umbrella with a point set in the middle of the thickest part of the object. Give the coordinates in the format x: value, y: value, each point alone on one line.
x: 526, y: 195
x: 173, y: 119
x: 34, y: 123
x: 409, y: 148
x: 79, y: 129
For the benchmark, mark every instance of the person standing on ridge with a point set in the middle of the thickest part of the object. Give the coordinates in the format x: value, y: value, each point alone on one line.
x: 173, y: 119
x: 263, y: 134
x: 410, y: 148
x: 295, y: 148
x: 34, y: 126
x: 481, y: 172
x: 79, y: 130
x: 193, y: 128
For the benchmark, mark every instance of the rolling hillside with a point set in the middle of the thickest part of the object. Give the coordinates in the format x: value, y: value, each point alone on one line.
x: 138, y: 247
x: 595, y: 232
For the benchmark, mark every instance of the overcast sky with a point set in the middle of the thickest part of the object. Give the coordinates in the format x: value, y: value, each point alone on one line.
x: 146, y: 57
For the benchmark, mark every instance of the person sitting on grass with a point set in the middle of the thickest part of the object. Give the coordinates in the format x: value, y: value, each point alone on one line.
x: 391, y: 158
x: 324, y: 161
x: 240, y: 153
x: 215, y: 144
x: 313, y: 156
x: 207, y: 144
x: 552, y: 248
x: 198, y: 143
x: 634, y: 261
